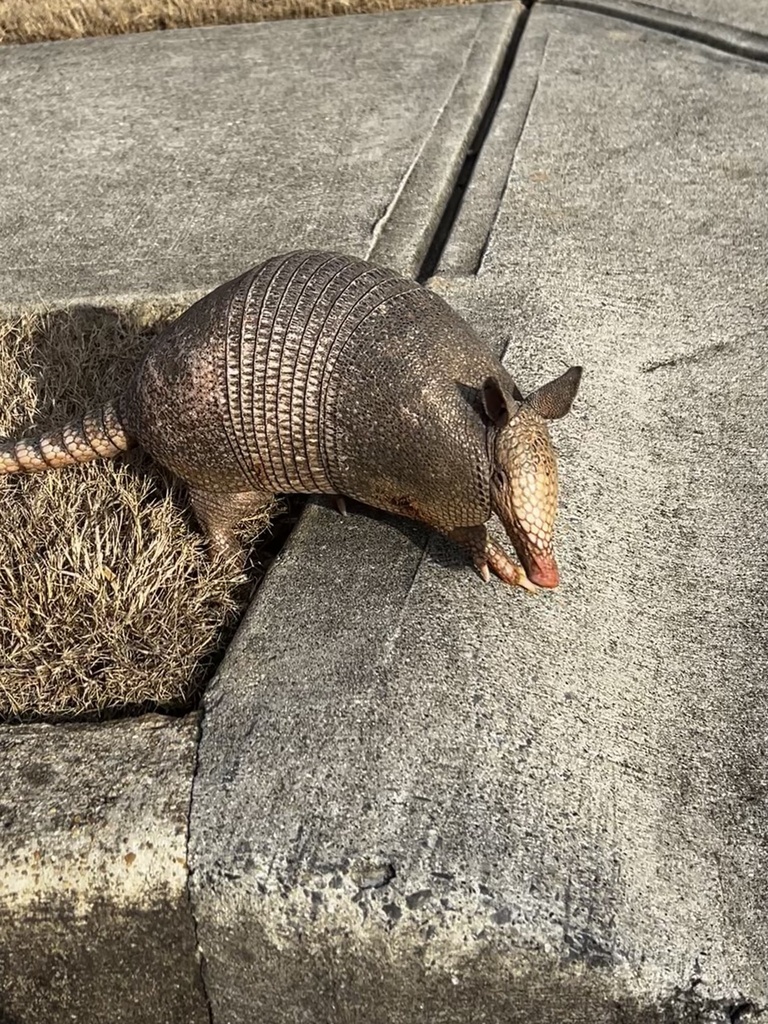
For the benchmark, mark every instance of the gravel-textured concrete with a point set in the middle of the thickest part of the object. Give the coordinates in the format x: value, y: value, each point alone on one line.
x: 95, y: 923
x: 747, y: 14
x: 170, y: 161
x: 739, y: 29
x: 423, y: 797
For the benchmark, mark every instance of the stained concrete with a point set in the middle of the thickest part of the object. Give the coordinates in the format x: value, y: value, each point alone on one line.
x: 167, y: 162
x: 95, y: 923
x: 421, y: 796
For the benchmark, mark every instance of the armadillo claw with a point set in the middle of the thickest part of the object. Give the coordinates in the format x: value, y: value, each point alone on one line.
x: 488, y: 557
x: 502, y: 565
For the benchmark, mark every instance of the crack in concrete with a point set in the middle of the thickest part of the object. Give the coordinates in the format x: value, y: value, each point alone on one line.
x: 188, y: 887
x: 687, y: 359
x: 388, y: 647
x: 737, y: 42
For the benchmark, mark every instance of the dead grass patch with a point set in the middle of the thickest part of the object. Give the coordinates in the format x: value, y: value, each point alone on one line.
x: 30, y: 21
x: 107, y: 599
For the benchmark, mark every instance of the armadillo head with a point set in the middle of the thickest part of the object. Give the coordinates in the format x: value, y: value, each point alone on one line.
x: 524, y: 469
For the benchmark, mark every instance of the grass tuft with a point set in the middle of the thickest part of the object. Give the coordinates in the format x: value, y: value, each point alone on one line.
x: 108, y: 602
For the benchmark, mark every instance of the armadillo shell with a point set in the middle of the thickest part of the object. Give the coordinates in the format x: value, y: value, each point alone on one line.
x: 321, y: 373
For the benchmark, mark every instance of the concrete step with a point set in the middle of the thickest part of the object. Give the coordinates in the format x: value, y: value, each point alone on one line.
x: 167, y: 162
x: 419, y: 795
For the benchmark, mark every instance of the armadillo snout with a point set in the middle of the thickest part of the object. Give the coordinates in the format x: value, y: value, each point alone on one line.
x: 524, y: 495
x: 541, y: 570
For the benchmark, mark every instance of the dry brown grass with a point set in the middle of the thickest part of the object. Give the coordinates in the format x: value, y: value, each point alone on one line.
x: 107, y: 600
x: 29, y: 21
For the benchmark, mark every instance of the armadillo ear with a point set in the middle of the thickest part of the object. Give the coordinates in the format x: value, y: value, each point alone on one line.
x: 554, y: 400
x: 494, y: 403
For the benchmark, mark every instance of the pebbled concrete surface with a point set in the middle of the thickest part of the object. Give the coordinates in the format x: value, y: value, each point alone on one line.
x: 739, y: 29
x: 95, y: 923
x: 170, y: 161
x: 422, y: 795
x: 751, y: 15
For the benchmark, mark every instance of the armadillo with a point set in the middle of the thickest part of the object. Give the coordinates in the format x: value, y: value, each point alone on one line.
x: 319, y: 373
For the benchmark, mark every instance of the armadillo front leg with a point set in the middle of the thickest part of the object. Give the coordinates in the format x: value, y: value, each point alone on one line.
x: 488, y: 556
x: 219, y: 514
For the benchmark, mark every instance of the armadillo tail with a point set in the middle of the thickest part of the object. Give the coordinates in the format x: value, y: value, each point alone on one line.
x: 98, y: 435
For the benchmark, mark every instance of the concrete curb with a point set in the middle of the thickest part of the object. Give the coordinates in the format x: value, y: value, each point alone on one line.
x: 476, y: 217
x: 95, y: 922
x: 401, y: 237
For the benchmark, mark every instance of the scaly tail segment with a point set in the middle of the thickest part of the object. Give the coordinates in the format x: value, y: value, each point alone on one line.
x: 98, y: 435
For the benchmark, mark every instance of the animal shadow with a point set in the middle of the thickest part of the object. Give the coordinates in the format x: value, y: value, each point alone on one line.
x: 58, y: 363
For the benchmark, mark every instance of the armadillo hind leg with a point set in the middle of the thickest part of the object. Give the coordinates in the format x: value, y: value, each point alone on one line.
x: 220, y: 513
x: 488, y: 556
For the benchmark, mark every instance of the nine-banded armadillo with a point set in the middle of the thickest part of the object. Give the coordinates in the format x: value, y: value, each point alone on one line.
x: 319, y: 373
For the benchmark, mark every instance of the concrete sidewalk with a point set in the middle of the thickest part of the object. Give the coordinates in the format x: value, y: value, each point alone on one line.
x: 182, y: 158
x: 418, y: 791
x: 419, y: 797
x: 691, y: 18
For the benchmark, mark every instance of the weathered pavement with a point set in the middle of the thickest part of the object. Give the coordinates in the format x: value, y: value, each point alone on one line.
x: 691, y: 18
x: 420, y: 797
x: 182, y: 157
x: 164, y: 163
x: 94, y: 910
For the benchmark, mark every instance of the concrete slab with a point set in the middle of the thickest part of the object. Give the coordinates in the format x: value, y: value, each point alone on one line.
x: 170, y: 161
x: 423, y: 796
x: 95, y: 924
x: 747, y: 14
x: 740, y: 28
x: 667, y: 137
